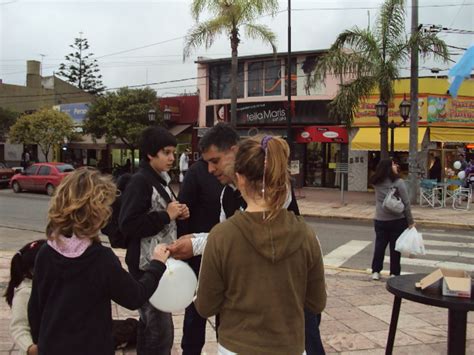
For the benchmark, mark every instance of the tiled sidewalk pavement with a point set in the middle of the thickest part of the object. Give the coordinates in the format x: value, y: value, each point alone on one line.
x: 355, y: 321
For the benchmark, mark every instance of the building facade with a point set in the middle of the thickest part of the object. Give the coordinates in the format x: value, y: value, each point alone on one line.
x: 262, y: 106
x: 39, y: 92
x: 445, y: 130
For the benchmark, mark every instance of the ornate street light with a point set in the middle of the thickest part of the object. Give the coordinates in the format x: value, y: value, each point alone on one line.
x: 152, y: 115
x: 405, y: 107
x: 167, y: 114
x: 381, y: 109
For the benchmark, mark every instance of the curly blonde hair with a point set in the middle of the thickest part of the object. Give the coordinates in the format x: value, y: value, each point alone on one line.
x: 81, y: 204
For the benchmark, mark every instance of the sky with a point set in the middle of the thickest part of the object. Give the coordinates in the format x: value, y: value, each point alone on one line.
x: 140, y: 42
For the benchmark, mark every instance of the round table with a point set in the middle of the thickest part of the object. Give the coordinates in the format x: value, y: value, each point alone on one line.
x: 404, y: 287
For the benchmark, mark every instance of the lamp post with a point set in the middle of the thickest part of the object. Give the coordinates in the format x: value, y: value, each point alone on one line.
x: 167, y: 114
x: 152, y: 115
x: 381, y: 109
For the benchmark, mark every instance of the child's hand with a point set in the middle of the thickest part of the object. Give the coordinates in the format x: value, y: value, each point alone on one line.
x: 32, y: 349
x: 161, y: 253
x: 174, y: 210
x: 184, y: 212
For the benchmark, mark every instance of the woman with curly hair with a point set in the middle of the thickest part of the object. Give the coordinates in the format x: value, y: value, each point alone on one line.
x: 76, y: 277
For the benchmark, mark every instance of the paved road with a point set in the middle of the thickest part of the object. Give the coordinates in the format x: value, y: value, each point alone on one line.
x: 345, y: 243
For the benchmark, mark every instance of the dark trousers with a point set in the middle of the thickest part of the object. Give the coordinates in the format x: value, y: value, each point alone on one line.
x: 155, y: 331
x: 387, y: 232
x: 313, y: 343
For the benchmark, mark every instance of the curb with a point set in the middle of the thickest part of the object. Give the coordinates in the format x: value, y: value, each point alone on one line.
x: 418, y: 222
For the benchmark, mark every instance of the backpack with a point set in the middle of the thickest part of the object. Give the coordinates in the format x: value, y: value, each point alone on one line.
x: 392, y: 203
x: 112, y: 230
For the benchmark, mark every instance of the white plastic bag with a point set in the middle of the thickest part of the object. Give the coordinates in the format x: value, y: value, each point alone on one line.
x: 181, y: 177
x: 410, y: 243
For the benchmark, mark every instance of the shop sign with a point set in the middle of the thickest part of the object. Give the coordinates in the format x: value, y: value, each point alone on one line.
x: 328, y: 134
x: 268, y: 113
x: 453, y: 111
x: 365, y: 115
x: 76, y: 111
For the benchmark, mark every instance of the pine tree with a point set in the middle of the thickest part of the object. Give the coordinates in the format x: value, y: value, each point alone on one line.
x: 81, y: 70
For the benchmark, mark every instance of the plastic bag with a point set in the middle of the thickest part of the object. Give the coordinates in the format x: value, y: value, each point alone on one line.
x: 410, y: 243
x: 181, y: 177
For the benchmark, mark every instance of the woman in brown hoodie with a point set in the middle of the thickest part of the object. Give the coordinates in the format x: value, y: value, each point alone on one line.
x: 262, y: 267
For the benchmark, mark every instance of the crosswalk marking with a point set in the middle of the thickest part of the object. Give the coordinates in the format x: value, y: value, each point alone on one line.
x: 340, y: 255
x: 433, y: 263
x: 439, y: 243
x: 445, y: 235
x: 460, y: 254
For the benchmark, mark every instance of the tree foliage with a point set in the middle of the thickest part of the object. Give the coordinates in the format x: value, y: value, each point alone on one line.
x: 121, y: 115
x: 227, y: 17
x: 45, y: 128
x: 365, y: 60
x: 80, y: 69
x: 7, y: 119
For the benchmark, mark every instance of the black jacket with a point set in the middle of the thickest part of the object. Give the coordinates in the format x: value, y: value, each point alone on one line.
x: 135, y: 219
x: 201, y: 192
x: 70, y: 310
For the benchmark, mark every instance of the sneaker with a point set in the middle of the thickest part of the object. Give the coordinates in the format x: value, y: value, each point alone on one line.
x: 391, y: 275
x: 376, y: 276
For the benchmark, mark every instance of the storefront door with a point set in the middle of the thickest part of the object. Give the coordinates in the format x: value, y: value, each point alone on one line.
x: 320, y: 164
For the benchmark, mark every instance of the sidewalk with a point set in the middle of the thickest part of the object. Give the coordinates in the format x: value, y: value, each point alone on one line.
x: 326, y: 203
x: 355, y: 321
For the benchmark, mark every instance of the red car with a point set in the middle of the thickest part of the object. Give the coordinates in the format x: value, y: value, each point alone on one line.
x: 6, y: 174
x: 41, y: 177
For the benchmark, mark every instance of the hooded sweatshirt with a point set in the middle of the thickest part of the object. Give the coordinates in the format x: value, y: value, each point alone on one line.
x: 259, y: 276
x: 70, y: 310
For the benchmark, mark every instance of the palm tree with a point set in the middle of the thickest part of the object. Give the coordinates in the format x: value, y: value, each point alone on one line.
x: 367, y: 59
x: 228, y: 16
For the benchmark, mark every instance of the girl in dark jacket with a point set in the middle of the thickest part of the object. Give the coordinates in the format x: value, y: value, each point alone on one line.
x: 76, y: 277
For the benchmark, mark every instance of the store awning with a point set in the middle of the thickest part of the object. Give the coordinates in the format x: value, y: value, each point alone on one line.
x: 368, y: 138
x: 175, y: 130
x: 442, y: 134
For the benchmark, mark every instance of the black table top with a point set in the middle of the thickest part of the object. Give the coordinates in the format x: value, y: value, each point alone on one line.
x: 404, y: 287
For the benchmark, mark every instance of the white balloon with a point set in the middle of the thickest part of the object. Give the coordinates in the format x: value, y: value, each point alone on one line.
x: 462, y: 175
x: 457, y: 165
x: 176, y: 288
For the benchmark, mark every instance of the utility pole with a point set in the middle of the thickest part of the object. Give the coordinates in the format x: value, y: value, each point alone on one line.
x: 288, y: 82
x: 412, y: 157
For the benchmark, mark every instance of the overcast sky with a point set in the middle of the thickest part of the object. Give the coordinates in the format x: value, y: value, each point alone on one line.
x: 141, y: 42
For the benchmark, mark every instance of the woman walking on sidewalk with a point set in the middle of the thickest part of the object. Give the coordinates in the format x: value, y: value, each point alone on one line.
x: 388, y: 225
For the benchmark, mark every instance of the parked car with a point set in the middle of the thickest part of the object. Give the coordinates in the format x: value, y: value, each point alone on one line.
x: 6, y: 174
x: 41, y: 177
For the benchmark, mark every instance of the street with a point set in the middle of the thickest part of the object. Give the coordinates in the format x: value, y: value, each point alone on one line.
x: 345, y: 243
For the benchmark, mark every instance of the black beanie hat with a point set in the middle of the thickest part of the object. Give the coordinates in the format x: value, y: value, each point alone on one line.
x: 155, y: 138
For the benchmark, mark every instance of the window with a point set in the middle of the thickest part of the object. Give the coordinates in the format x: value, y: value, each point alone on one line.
x: 31, y: 170
x: 264, y: 78
x: 294, y: 77
x: 220, y: 81
x: 66, y: 168
x: 44, y: 170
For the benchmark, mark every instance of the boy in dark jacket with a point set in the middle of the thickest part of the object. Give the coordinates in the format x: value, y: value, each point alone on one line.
x: 148, y: 217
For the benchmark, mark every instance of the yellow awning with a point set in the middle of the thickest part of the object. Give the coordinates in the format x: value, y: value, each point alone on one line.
x: 441, y: 134
x: 368, y: 138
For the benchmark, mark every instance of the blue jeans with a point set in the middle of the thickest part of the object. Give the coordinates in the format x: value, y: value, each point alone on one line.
x: 313, y: 343
x: 155, y: 331
x: 387, y: 232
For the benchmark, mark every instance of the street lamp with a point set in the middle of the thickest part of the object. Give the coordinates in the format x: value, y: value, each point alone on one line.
x: 152, y: 115
x: 167, y: 113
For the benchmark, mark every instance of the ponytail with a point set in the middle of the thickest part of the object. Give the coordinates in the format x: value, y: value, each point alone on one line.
x: 21, y: 267
x: 16, y: 277
x: 263, y: 160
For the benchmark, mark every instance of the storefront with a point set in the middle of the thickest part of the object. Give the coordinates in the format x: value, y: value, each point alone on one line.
x: 323, y: 149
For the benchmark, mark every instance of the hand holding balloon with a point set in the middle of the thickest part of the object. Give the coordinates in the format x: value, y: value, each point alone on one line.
x: 161, y: 253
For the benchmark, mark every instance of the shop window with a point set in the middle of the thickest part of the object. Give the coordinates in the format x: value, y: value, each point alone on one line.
x: 294, y: 78
x: 220, y: 81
